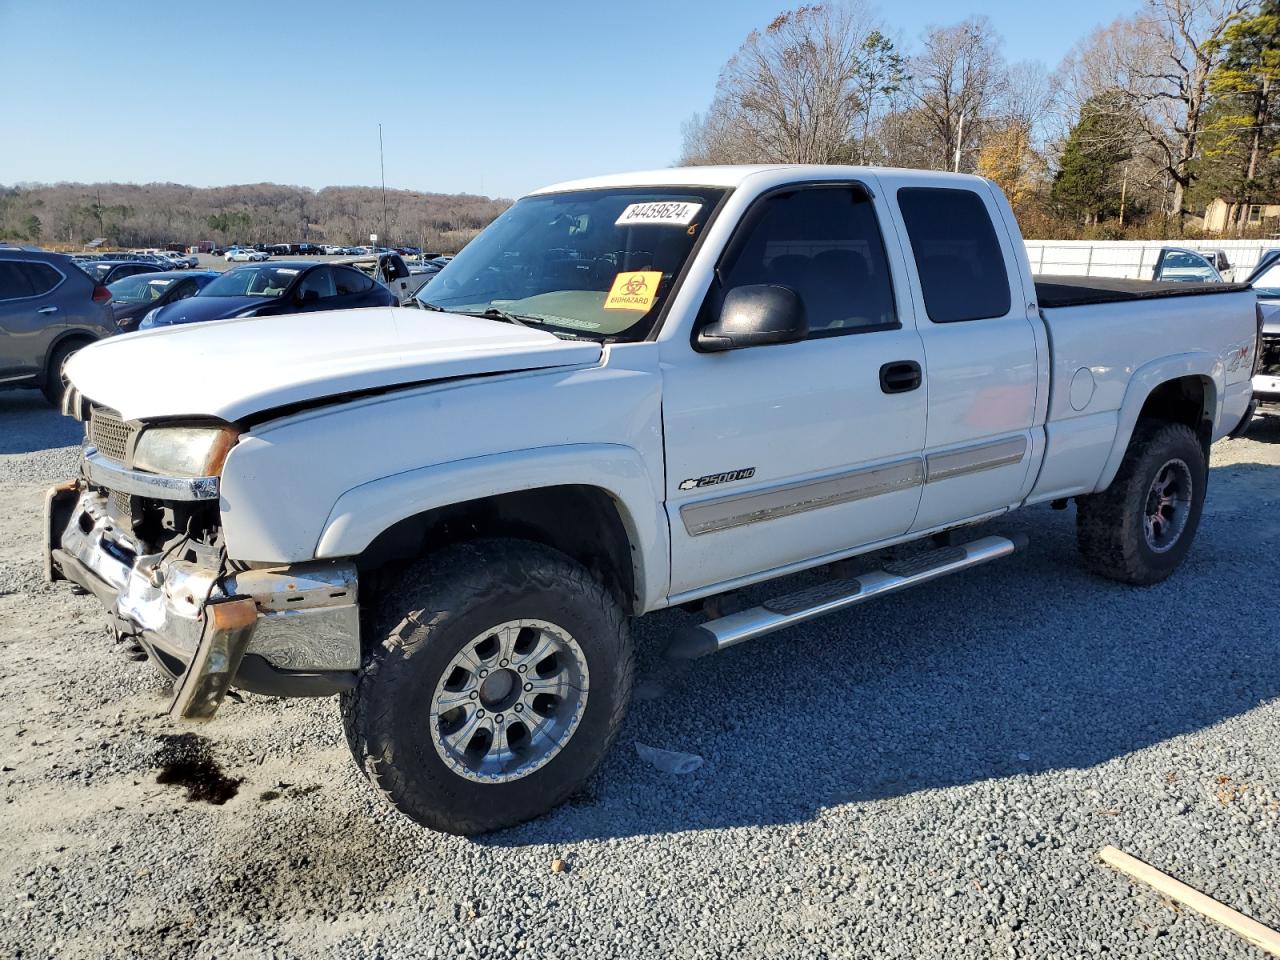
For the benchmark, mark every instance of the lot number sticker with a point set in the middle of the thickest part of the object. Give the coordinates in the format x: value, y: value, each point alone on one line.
x: 675, y: 214
x: 633, y: 291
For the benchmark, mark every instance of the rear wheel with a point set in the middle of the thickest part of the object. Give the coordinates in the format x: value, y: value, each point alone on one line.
x: 55, y: 382
x: 502, y: 677
x: 1139, y: 529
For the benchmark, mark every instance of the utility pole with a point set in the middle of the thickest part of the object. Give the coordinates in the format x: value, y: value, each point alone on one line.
x: 959, y: 141
x: 386, y: 236
x: 1124, y: 185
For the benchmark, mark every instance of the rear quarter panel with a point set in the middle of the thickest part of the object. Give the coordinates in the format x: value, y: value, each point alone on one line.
x: 1107, y: 358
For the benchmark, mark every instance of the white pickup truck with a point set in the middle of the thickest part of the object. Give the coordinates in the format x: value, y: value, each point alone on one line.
x: 628, y: 393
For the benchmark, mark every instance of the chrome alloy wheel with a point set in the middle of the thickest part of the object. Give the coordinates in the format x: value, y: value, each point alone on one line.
x: 1168, y: 506
x: 509, y: 701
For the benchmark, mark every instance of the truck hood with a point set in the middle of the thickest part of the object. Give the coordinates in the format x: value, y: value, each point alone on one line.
x: 236, y: 368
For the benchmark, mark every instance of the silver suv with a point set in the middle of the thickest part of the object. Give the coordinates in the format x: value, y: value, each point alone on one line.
x: 49, y: 309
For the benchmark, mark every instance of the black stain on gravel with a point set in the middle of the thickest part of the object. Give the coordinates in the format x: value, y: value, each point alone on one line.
x: 186, y: 759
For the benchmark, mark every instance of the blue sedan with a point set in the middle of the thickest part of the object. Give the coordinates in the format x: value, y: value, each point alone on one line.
x: 268, y: 289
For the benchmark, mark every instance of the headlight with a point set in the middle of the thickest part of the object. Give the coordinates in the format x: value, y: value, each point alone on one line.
x: 149, y: 318
x: 184, y: 451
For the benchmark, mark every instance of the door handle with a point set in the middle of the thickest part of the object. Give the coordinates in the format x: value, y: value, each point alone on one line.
x: 900, y: 376
x: 47, y: 310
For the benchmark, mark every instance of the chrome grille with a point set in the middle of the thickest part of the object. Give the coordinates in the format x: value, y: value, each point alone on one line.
x: 110, y: 434
x: 123, y: 504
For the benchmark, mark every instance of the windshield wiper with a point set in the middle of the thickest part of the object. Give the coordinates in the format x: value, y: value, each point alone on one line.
x: 493, y: 313
x: 424, y: 305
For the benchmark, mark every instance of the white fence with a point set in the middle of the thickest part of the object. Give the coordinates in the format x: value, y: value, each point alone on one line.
x: 1134, y: 259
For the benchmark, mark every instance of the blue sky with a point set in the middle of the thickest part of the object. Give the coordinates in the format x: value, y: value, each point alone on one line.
x: 482, y: 97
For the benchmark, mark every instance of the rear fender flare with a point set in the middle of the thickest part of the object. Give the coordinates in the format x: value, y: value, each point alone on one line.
x: 1144, y: 382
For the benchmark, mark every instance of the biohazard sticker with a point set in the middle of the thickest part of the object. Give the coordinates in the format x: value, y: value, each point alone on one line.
x: 633, y: 291
x: 672, y: 213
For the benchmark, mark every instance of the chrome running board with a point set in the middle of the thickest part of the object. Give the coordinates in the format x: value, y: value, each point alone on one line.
x: 833, y: 595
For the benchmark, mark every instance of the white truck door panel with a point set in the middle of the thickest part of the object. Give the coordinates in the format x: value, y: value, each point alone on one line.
x: 980, y: 348
x: 779, y: 454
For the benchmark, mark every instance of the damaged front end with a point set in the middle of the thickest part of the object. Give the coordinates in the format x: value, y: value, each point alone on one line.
x: 149, y: 547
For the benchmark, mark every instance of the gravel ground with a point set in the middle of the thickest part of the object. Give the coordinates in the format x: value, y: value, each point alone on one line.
x: 927, y: 776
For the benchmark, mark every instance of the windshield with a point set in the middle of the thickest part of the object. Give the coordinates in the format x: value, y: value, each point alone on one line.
x: 140, y: 288
x: 260, y: 280
x: 1267, y: 283
x: 596, y: 263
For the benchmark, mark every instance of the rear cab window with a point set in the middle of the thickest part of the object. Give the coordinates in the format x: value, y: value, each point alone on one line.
x: 957, y: 254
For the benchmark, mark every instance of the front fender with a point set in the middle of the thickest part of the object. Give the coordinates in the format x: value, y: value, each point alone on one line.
x: 1141, y: 385
x: 363, y: 512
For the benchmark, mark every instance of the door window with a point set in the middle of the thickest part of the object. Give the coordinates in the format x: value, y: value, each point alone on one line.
x: 316, y: 285
x: 825, y: 244
x: 348, y: 281
x: 14, y: 284
x: 41, y: 276
x: 957, y: 254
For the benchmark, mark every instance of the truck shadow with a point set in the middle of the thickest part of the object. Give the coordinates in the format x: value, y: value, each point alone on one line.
x: 29, y: 423
x: 1265, y: 427
x: 1028, y: 665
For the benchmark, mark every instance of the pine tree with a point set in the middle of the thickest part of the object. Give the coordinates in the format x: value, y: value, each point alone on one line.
x: 1087, y: 186
x: 1241, y: 157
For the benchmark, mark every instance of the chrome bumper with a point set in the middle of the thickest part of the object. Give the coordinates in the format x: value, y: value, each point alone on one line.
x: 297, y: 625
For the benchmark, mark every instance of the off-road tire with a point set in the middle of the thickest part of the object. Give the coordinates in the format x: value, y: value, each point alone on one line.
x: 1109, y: 525
x: 425, y: 617
x: 53, y: 385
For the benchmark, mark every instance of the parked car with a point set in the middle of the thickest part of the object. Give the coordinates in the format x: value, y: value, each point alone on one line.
x: 1178, y: 265
x: 332, y: 249
x: 1265, y: 281
x: 279, y: 287
x: 134, y: 297
x: 625, y: 395
x: 49, y: 309
x: 429, y: 267
x: 108, y: 272
x: 246, y: 255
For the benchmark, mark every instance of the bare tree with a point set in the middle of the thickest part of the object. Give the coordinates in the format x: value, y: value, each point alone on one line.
x: 800, y: 91
x: 1157, y: 65
x: 959, y: 78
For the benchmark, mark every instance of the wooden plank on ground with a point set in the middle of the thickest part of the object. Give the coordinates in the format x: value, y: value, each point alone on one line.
x: 1257, y: 934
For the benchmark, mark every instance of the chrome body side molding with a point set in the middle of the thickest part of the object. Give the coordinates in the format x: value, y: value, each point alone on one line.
x: 744, y: 508
x: 982, y: 456
x: 785, y: 500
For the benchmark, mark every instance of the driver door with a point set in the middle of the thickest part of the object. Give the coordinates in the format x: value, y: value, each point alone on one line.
x: 781, y: 454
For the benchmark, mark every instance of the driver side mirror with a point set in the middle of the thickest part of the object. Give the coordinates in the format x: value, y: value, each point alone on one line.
x: 755, y: 315
x: 304, y: 297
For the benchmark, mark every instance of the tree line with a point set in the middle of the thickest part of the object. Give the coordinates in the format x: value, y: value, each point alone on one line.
x: 1145, y: 121
x: 156, y: 214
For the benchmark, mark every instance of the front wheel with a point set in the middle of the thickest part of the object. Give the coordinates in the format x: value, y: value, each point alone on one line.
x: 1139, y: 529
x: 502, y: 676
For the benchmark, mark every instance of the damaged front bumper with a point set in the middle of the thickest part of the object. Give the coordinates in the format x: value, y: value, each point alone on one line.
x: 283, y: 631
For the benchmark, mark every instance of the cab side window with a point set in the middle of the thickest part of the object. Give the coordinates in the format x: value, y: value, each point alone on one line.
x: 825, y: 244
x: 957, y: 254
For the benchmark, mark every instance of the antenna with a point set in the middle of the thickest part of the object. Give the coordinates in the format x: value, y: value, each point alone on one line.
x: 386, y: 237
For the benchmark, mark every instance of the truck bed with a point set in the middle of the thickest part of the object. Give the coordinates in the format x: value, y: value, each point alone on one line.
x: 1064, y: 291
